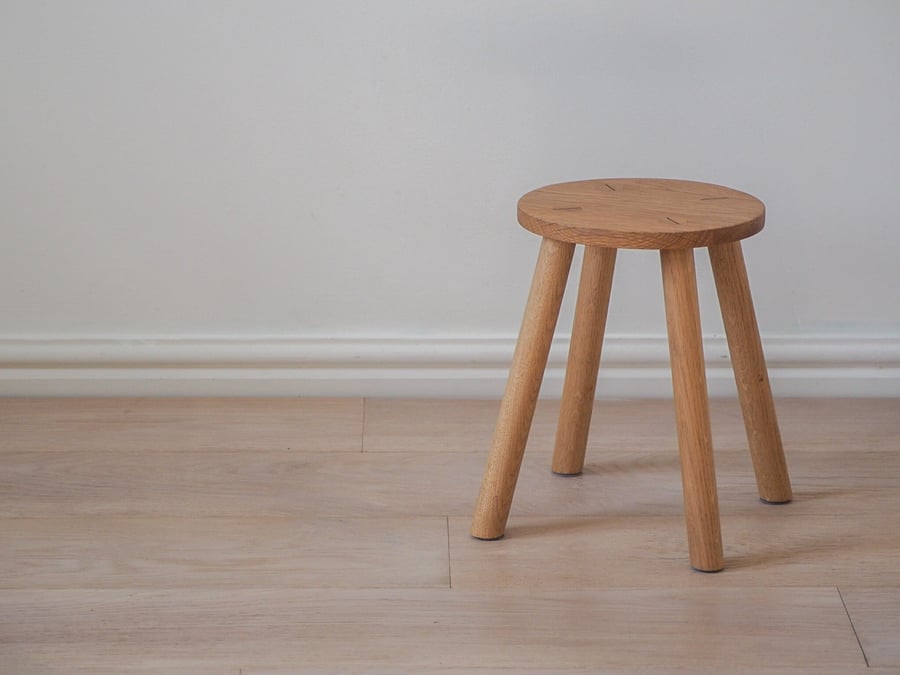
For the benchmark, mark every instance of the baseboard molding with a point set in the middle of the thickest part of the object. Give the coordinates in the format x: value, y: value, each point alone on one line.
x: 475, y: 367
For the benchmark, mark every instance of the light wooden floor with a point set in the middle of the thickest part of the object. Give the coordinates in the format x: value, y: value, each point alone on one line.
x: 283, y: 535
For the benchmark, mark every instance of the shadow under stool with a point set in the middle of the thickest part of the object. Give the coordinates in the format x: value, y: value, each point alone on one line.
x: 673, y: 217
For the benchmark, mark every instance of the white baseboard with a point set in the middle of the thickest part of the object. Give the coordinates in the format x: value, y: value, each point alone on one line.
x: 452, y: 367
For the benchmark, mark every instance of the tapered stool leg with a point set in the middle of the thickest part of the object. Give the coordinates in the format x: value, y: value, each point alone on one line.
x: 584, y: 360
x: 701, y: 503
x: 750, y: 373
x: 522, y: 387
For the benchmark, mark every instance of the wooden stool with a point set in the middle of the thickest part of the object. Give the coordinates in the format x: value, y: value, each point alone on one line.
x: 673, y: 217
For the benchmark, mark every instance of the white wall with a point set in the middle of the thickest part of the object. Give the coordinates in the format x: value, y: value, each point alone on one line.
x: 285, y: 181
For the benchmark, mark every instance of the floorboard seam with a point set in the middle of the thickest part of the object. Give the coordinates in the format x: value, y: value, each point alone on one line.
x: 855, y: 634
x: 362, y: 435
x: 449, y: 564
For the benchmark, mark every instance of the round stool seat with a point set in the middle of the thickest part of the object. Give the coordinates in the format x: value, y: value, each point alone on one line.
x: 648, y: 213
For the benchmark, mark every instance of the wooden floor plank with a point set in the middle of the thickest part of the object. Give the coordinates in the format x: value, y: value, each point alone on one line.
x: 596, y: 670
x: 769, y: 548
x: 149, y: 668
x: 260, y: 483
x: 875, y: 613
x: 225, y: 553
x: 704, y: 628
x: 466, y: 426
x: 180, y: 424
x: 401, y: 425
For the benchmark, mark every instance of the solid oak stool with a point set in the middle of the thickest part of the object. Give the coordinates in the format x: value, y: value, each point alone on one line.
x: 674, y: 217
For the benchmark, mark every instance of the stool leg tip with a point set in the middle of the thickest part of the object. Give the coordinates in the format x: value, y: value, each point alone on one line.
x: 499, y: 536
x: 715, y: 571
x: 774, y: 502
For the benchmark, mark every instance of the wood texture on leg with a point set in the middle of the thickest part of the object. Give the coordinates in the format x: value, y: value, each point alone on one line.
x: 750, y: 372
x: 584, y: 360
x: 522, y: 387
x: 701, y: 503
